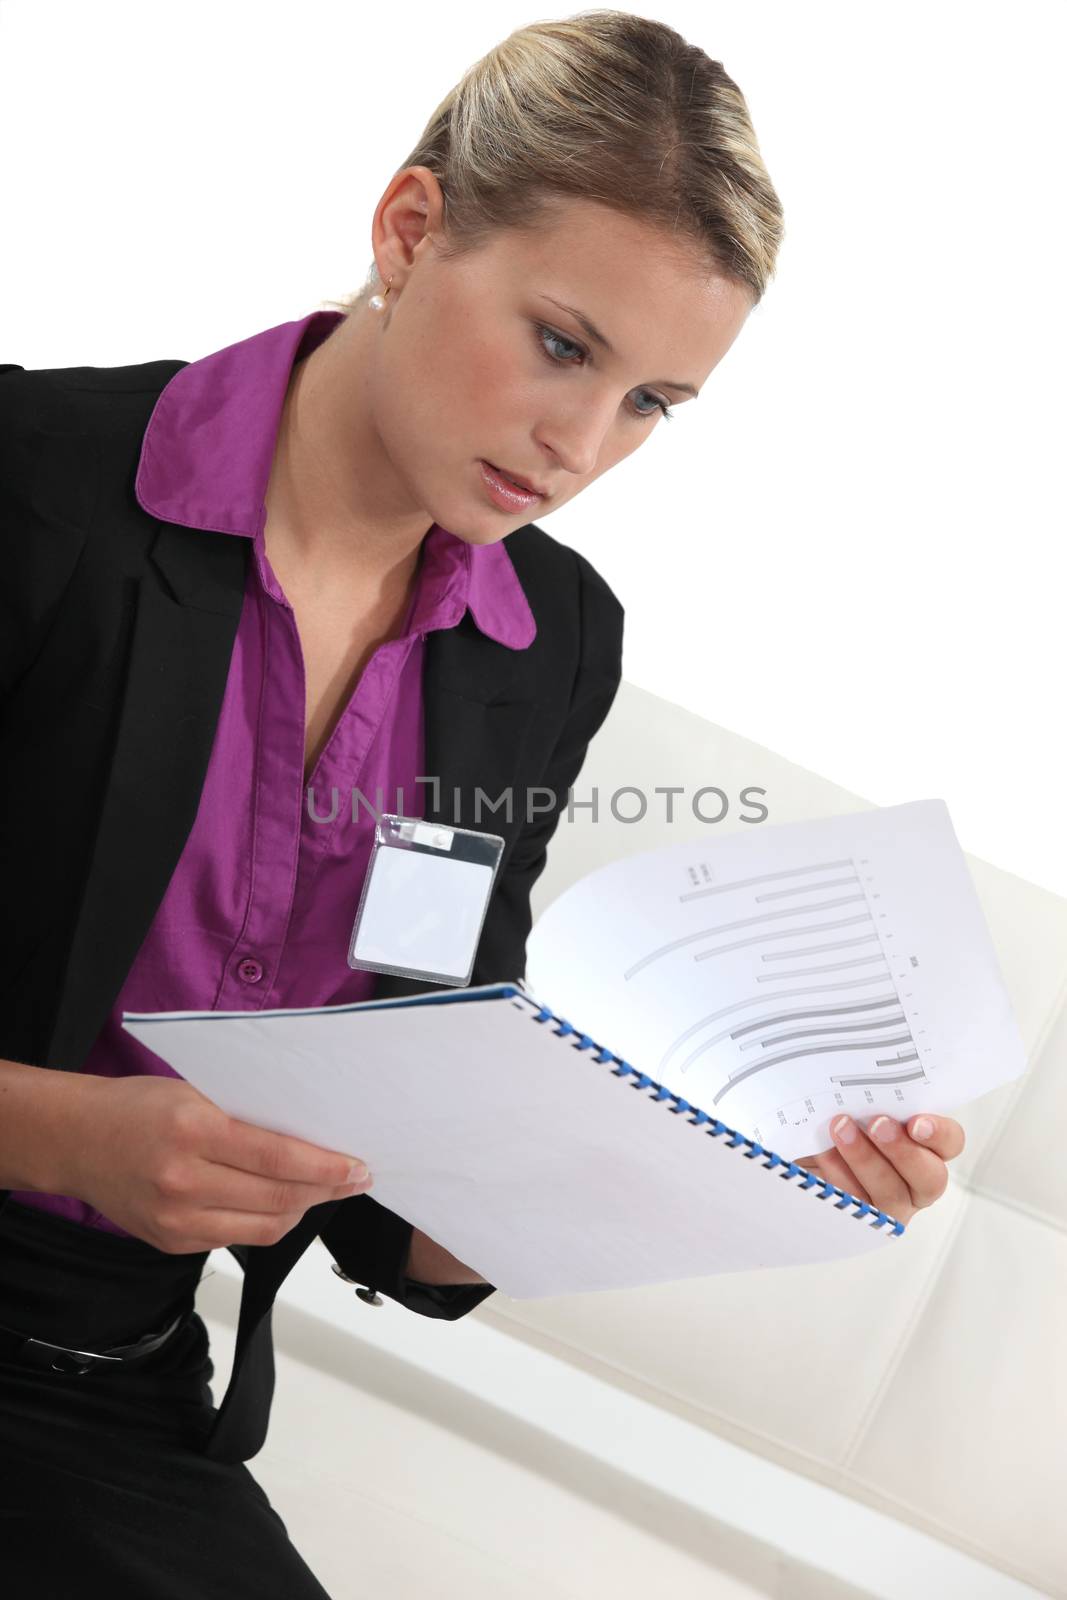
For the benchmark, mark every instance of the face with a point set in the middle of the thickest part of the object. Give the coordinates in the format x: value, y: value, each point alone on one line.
x: 494, y: 357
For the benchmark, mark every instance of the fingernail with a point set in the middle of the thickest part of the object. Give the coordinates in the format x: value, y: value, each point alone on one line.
x: 357, y: 1172
x: 922, y: 1128
x: 884, y: 1129
x: 844, y: 1129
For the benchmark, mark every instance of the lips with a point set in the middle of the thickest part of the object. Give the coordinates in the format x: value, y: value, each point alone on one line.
x: 516, y: 479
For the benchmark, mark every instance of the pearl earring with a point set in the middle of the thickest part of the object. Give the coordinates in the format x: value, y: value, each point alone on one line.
x: 377, y: 301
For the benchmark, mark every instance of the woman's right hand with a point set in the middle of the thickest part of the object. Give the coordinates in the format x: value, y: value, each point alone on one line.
x: 164, y: 1162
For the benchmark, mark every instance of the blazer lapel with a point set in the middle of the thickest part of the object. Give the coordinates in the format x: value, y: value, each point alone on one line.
x: 175, y: 679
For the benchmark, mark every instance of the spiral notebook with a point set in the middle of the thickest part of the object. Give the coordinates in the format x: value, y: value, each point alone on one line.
x: 762, y: 981
x: 533, y: 1153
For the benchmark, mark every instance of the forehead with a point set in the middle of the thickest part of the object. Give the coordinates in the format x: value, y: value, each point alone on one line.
x: 590, y: 238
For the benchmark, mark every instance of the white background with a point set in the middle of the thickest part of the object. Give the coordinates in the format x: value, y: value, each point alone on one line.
x: 851, y: 548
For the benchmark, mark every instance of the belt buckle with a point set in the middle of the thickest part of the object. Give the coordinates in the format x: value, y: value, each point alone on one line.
x: 72, y: 1362
x: 60, y: 1358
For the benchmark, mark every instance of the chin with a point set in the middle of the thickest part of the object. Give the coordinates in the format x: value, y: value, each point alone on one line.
x: 494, y: 527
x: 470, y: 536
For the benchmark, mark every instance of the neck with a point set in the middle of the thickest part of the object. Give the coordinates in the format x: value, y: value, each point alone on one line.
x: 336, y: 509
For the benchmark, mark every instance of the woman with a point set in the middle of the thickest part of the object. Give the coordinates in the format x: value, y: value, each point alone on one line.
x: 306, y: 563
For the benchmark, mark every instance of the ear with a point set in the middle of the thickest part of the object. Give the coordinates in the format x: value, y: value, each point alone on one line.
x: 411, y: 208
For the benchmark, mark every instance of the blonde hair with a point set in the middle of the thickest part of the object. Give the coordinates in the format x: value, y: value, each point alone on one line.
x: 610, y: 107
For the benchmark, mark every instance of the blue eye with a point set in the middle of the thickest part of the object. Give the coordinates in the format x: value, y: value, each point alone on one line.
x: 547, y: 336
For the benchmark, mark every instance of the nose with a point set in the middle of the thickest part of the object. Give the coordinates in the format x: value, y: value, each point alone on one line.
x: 577, y: 438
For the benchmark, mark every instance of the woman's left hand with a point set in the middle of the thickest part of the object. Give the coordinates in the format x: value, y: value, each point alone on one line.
x: 886, y: 1165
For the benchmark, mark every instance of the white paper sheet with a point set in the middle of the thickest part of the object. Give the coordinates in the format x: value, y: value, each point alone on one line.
x: 519, y: 1152
x: 778, y: 976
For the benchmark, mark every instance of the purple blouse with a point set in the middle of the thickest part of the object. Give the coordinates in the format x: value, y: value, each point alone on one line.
x: 260, y: 907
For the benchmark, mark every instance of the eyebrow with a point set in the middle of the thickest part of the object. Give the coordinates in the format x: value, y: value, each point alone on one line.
x: 601, y: 339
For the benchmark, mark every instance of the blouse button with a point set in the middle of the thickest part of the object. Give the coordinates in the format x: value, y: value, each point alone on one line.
x: 250, y: 971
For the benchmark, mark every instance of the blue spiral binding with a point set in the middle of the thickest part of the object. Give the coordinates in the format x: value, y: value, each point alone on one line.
x: 697, y: 1118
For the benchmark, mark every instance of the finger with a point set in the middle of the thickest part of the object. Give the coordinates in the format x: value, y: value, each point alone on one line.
x: 215, y: 1230
x: 829, y: 1164
x: 924, y: 1172
x: 280, y: 1155
x: 888, y: 1187
x: 943, y: 1135
x: 225, y: 1188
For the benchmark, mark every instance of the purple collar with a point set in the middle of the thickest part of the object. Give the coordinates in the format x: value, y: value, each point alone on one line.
x: 206, y: 459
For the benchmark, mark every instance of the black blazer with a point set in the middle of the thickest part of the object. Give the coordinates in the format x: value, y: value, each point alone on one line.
x: 116, y: 632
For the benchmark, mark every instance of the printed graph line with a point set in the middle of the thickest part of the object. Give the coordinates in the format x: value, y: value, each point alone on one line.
x: 766, y: 877
x: 761, y: 1000
x: 817, y: 1011
x: 886, y: 1077
x: 830, y: 966
x: 806, y: 888
x: 709, y: 1044
x: 751, y: 922
x: 788, y: 933
x: 793, y: 1055
x: 818, y: 949
x: 810, y: 1033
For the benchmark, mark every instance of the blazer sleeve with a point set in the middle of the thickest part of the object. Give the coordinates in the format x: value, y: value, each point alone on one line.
x: 369, y: 1242
x: 48, y: 480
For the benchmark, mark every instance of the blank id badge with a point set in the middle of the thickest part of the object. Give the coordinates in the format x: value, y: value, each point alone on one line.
x: 424, y: 900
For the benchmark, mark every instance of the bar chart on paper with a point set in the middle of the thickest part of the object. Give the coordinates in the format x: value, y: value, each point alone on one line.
x: 778, y: 977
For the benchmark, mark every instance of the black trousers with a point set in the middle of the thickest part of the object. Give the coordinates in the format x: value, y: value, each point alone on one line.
x: 103, y: 1489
